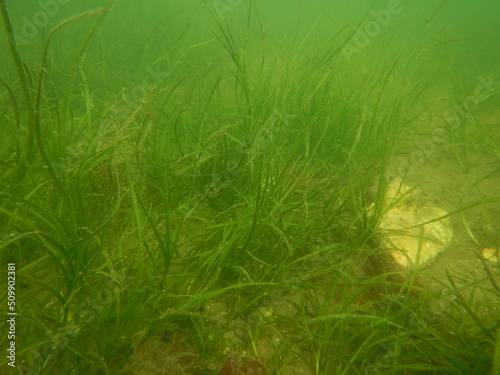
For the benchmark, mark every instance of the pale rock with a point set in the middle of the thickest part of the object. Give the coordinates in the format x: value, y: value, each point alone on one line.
x: 491, y: 254
x: 410, y: 234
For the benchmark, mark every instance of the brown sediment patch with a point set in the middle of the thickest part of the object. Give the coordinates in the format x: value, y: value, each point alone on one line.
x: 392, y: 278
x: 236, y: 364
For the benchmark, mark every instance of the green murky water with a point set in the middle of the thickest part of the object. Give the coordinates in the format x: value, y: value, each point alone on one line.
x: 250, y: 187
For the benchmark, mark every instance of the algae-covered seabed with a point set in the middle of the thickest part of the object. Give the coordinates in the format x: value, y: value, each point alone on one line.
x: 196, y: 187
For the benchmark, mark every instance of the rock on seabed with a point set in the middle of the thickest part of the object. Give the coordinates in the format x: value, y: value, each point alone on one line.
x: 408, y: 242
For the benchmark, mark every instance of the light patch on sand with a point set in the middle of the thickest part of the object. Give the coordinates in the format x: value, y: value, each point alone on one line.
x: 411, y: 235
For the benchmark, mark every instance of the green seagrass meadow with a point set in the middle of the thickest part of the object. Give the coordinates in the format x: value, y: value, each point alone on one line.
x: 202, y: 187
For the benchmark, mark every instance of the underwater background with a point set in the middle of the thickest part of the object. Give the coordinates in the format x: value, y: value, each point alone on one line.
x: 250, y: 187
